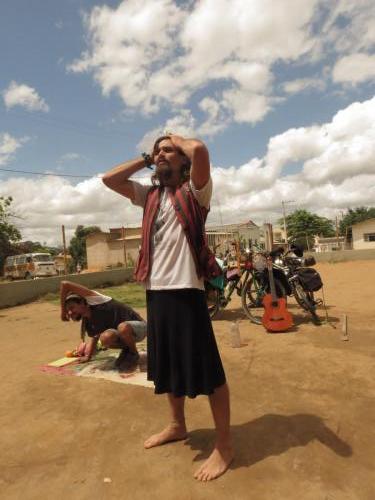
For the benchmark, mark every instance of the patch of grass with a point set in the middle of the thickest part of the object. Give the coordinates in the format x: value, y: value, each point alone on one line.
x: 51, y: 297
x: 131, y: 294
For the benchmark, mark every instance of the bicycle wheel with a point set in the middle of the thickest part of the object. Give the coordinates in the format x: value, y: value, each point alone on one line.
x: 252, y: 295
x: 306, y: 301
x: 213, y: 300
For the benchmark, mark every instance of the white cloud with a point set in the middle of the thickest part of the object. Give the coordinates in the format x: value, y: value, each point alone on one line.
x: 70, y: 157
x: 354, y: 69
x: 181, y: 124
x: 8, y: 146
x: 337, y: 172
x: 301, y: 84
x: 156, y: 52
x: 216, y: 120
x: 48, y: 202
x: 349, y: 26
x: 337, y: 169
x: 24, y: 96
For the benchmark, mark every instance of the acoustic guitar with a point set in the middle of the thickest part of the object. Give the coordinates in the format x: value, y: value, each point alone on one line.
x: 276, y: 317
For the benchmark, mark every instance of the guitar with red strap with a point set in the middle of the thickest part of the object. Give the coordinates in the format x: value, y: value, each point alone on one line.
x: 276, y: 317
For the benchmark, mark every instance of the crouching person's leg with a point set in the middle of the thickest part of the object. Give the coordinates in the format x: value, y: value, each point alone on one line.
x: 132, y: 332
x: 125, y: 336
x: 110, y: 338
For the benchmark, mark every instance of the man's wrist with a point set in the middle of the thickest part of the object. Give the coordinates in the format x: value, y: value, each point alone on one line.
x: 148, y: 160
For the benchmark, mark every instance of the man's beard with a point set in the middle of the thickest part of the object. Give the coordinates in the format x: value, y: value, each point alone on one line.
x: 164, y: 174
x: 77, y: 318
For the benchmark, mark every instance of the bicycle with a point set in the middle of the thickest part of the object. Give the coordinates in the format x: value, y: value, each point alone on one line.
x: 257, y: 286
x: 293, y: 277
x: 247, y: 279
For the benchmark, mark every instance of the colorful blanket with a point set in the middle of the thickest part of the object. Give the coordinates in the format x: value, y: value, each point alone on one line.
x: 101, y: 366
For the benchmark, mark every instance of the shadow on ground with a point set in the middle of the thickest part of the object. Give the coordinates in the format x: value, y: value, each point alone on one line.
x: 270, y: 435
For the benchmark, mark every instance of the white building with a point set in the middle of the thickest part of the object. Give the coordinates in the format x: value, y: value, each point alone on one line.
x: 330, y: 244
x: 279, y: 235
x: 363, y: 234
x: 220, y: 236
x: 119, y: 247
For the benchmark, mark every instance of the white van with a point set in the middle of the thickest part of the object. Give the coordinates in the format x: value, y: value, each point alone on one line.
x: 29, y: 266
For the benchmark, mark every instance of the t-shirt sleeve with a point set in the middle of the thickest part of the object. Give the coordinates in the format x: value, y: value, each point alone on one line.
x: 99, y: 298
x: 140, y: 194
x: 203, y: 196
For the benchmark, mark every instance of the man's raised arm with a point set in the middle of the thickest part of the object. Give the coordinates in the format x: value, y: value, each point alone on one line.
x: 67, y: 287
x: 197, y: 153
x: 117, y: 179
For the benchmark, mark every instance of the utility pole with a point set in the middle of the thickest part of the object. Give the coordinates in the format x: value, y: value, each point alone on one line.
x: 283, y: 203
x: 64, y: 247
x: 220, y: 214
x: 124, y: 242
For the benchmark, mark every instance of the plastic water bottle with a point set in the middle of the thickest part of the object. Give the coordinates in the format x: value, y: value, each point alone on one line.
x: 235, y: 336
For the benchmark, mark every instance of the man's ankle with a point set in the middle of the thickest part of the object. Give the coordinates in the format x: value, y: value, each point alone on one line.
x: 178, y: 422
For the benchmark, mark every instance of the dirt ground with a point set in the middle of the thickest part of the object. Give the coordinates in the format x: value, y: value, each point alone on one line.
x: 302, y: 411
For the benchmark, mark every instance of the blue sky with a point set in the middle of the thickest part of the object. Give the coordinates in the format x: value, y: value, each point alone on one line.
x: 282, y: 92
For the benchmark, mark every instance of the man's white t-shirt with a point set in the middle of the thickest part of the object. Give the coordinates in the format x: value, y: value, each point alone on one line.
x: 172, y: 263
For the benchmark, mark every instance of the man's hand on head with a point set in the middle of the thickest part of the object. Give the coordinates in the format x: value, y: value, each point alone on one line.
x: 64, y: 316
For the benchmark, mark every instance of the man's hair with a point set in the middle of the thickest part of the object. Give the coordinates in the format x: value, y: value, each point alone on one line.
x: 74, y: 299
x: 185, y: 168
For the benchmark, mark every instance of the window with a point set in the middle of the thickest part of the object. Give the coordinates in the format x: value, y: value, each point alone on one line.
x: 42, y: 257
x: 369, y: 236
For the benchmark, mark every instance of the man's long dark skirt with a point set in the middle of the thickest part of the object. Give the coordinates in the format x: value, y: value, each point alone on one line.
x: 182, y: 354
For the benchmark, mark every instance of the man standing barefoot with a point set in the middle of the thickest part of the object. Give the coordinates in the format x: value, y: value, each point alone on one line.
x: 183, y: 359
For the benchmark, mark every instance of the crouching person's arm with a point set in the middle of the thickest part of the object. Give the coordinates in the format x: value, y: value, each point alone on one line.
x: 90, y: 350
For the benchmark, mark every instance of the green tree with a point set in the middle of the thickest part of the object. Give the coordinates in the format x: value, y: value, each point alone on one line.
x: 353, y: 216
x: 77, y: 247
x: 36, y: 246
x: 303, y: 225
x: 9, y: 234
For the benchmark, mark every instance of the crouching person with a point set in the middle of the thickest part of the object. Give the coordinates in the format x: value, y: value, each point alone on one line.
x: 116, y: 325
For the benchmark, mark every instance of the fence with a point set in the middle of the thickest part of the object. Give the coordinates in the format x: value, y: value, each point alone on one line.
x: 21, y: 292
x: 343, y: 255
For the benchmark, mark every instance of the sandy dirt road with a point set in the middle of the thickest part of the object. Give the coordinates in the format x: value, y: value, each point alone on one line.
x: 303, y: 411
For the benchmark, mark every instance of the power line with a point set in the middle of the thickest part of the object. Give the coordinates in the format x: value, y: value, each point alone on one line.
x: 63, y: 175
x: 69, y: 125
x: 45, y: 173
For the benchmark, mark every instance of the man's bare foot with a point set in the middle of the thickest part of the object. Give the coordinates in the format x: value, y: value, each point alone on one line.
x: 170, y: 433
x: 216, y: 464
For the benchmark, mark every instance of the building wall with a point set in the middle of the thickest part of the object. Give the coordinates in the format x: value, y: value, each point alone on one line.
x: 329, y: 244
x: 253, y: 233
x: 103, y: 251
x: 117, y: 250
x: 97, y: 251
x: 278, y: 234
x: 132, y: 251
x: 358, y: 231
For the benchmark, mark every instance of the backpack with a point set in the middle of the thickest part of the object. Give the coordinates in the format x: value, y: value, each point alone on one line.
x: 310, y: 279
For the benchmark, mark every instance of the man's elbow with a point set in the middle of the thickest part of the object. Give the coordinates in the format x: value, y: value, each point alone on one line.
x: 106, y: 180
x: 200, y: 150
x: 199, y: 146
